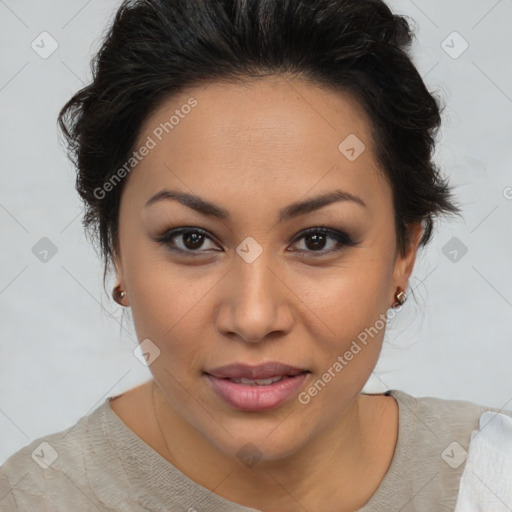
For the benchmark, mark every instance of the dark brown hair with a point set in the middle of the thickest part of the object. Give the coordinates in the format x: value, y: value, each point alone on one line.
x: 155, y: 48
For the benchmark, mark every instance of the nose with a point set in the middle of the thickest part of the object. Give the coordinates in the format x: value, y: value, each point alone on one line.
x: 255, y: 302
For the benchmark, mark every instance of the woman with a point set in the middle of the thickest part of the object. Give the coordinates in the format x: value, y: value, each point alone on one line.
x: 259, y: 177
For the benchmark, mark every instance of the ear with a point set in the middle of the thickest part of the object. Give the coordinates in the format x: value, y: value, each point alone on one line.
x: 405, y: 263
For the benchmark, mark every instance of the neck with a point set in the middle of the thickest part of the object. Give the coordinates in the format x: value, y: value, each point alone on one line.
x: 338, y: 470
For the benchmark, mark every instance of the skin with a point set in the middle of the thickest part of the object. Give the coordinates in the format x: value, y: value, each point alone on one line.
x: 253, y: 149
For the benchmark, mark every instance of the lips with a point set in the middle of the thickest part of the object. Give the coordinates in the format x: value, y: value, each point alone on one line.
x: 259, y: 394
x: 267, y: 370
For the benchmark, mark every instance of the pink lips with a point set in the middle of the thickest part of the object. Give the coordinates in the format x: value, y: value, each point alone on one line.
x: 261, y: 371
x: 256, y: 397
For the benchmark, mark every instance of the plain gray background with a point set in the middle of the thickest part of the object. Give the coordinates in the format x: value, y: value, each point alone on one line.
x: 65, y: 345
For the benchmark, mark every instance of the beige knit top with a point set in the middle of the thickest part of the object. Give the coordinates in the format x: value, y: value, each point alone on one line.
x: 99, y: 464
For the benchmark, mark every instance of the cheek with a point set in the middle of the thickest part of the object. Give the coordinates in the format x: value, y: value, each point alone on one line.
x: 170, y: 305
x: 348, y: 340
x: 348, y: 299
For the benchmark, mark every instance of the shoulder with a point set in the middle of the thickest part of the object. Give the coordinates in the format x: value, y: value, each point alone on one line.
x: 436, y: 437
x: 442, y: 418
x: 54, y: 472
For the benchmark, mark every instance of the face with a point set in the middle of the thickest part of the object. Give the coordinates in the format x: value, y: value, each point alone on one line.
x: 252, y: 279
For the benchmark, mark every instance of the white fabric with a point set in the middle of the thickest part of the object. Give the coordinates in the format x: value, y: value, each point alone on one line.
x: 486, y: 483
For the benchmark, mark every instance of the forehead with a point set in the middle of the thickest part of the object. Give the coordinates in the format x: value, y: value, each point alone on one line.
x: 260, y: 137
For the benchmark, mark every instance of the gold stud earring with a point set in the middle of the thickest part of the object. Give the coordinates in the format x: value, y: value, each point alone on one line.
x: 117, y: 295
x: 400, y: 297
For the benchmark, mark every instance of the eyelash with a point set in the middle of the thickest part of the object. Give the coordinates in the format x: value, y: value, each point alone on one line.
x: 341, y: 238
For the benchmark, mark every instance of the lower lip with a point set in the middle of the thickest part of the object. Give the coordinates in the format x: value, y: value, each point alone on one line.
x: 247, y: 397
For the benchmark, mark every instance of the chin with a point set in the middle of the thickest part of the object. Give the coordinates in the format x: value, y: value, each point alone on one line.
x: 269, y: 441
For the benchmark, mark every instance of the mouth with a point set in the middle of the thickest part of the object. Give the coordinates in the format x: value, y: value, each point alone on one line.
x: 262, y: 382
x: 256, y: 374
x: 260, y: 388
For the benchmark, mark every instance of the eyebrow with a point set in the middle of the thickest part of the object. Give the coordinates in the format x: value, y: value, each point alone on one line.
x: 287, y: 213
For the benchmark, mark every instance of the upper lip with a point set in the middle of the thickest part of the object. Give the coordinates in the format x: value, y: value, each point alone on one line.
x: 261, y: 371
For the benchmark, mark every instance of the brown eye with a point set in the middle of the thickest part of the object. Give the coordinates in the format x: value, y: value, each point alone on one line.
x: 192, y: 240
x: 316, y: 240
x: 185, y: 240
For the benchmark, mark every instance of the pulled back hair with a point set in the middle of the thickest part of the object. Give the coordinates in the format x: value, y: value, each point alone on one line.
x: 156, y: 48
